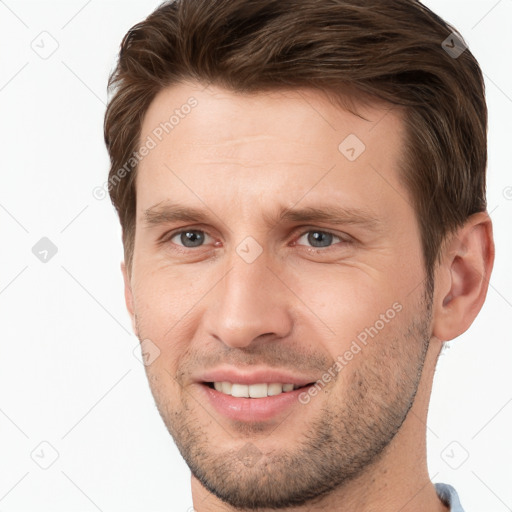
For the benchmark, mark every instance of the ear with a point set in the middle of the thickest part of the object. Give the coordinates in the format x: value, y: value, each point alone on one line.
x: 128, y: 296
x: 462, y: 278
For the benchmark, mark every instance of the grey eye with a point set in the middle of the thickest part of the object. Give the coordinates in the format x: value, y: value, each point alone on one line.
x: 190, y: 238
x: 319, y: 238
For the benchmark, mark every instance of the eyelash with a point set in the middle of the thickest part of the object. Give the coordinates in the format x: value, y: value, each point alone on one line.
x: 346, y: 240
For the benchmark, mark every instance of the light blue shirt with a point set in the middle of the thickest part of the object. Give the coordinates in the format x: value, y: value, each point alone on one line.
x: 448, y: 495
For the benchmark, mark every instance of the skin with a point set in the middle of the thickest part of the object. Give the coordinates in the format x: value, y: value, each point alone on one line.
x: 243, y: 159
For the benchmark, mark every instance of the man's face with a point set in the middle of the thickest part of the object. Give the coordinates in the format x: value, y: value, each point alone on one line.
x: 305, y: 263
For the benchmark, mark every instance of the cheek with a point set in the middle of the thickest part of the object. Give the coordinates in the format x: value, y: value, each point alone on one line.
x: 168, y: 292
x: 165, y: 305
x: 349, y: 302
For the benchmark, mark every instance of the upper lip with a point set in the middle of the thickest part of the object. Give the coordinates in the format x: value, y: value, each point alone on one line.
x: 253, y: 376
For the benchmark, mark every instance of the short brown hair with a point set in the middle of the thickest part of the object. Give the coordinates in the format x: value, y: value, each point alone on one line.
x: 390, y: 50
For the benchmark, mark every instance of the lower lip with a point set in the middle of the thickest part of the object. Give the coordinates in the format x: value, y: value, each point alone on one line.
x: 253, y: 409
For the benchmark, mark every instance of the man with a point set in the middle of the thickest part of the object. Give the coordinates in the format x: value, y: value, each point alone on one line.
x: 301, y: 187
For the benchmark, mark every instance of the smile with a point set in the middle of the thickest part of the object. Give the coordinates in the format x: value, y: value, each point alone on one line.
x: 259, y: 390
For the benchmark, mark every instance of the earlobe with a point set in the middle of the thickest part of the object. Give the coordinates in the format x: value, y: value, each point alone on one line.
x: 128, y: 296
x: 463, y: 277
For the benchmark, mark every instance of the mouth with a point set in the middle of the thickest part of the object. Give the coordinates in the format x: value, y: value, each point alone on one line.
x: 259, y: 402
x: 253, y: 394
x: 257, y: 390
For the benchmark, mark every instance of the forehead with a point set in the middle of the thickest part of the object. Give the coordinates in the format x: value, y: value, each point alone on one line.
x: 212, y: 113
x: 211, y: 141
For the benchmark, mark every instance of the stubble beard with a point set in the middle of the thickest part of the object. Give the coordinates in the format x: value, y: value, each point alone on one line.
x: 339, y: 444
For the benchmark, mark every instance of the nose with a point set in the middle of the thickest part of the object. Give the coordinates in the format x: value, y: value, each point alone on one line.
x: 249, y: 303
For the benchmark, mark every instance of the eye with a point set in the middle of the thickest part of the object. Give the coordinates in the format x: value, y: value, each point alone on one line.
x: 189, y: 238
x: 319, y: 239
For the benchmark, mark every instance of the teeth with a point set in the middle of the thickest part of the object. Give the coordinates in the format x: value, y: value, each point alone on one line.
x: 275, y: 389
x: 258, y: 390
x: 253, y: 390
x: 240, y: 390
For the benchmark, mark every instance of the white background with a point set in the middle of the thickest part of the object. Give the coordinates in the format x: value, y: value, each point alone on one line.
x: 68, y: 374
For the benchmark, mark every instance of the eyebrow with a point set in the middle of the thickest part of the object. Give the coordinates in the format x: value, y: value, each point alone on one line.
x: 332, y: 215
x: 168, y: 213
